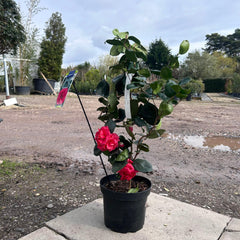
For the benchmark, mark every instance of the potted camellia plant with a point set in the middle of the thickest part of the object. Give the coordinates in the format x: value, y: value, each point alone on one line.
x: 125, y: 129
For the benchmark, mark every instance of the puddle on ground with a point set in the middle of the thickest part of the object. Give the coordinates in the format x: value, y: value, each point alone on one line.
x: 217, y: 142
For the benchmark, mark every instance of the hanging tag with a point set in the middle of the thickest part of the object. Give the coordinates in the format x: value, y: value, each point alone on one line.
x: 127, y: 97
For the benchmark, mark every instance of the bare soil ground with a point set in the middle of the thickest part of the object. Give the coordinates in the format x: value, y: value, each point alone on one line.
x: 52, y: 169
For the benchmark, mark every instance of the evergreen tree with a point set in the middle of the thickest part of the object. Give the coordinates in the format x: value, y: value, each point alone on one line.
x: 53, y: 48
x: 230, y: 44
x: 11, y: 31
x: 158, y: 55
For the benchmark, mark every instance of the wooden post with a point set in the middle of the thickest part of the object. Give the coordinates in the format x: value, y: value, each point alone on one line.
x: 48, y: 83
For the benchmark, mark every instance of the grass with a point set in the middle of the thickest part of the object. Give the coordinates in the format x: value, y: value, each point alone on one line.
x: 9, y: 168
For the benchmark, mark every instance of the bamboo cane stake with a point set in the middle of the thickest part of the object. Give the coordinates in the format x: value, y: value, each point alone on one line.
x: 48, y: 83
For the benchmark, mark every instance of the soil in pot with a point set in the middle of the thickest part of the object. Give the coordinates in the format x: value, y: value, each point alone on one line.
x: 124, y: 186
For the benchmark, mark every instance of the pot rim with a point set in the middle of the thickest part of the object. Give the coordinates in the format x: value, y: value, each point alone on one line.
x: 114, y: 177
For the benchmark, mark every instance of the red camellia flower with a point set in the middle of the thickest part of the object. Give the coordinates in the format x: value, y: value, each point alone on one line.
x: 112, y: 142
x: 101, y: 137
x: 106, y: 141
x: 128, y: 172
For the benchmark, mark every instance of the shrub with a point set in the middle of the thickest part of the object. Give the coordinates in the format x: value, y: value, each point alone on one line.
x: 236, y: 84
x: 215, y: 85
x: 196, y: 86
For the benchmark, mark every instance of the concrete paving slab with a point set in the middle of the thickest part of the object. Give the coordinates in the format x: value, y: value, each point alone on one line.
x: 166, y: 219
x: 234, y: 225
x: 230, y: 236
x: 43, y: 234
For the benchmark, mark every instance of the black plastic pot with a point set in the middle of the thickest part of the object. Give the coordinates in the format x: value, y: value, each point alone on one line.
x: 41, y: 86
x: 22, y: 90
x: 124, y: 212
x: 189, y: 97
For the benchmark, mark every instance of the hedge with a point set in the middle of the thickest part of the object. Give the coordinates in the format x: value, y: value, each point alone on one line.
x: 215, y: 85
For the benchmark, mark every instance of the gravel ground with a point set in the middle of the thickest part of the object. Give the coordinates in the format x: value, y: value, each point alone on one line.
x: 47, y: 167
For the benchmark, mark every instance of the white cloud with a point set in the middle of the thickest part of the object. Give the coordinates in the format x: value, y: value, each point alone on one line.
x: 89, y: 23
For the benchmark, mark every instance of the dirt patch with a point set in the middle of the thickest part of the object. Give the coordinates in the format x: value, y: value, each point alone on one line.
x: 62, y: 173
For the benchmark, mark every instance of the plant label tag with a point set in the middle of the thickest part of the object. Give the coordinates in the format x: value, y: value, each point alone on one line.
x: 127, y: 96
x: 11, y: 101
x: 66, y: 84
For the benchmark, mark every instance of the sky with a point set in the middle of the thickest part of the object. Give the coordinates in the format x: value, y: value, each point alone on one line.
x: 89, y: 23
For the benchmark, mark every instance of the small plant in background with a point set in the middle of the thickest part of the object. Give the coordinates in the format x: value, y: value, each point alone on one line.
x: 142, y: 117
x: 196, y: 87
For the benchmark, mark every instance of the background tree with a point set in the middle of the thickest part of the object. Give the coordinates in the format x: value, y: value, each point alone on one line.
x: 12, y: 32
x: 104, y: 64
x: 53, y: 48
x: 230, y: 44
x: 199, y: 65
x: 226, y: 66
x: 28, y: 51
x: 158, y: 55
x: 204, y: 65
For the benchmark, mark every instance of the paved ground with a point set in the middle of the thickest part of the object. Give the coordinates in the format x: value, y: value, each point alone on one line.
x: 39, y: 133
x: 166, y: 219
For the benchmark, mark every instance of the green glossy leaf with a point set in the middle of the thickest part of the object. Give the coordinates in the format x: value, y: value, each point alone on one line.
x: 111, y: 125
x: 148, y: 112
x: 132, y: 86
x: 117, y: 166
x: 130, y: 55
x: 169, y: 92
x: 116, y: 50
x: 119, y: 82
x: 156, y: 133
x: 143, y: 147
x: 134, y: 107
x: 130, y: 133
x: 156, y: 72
x: 104, y: 117
x: 121, y: 115
x: 139, y: 122
x: 103, y: 101
x: 184, y: 81
x: 102, y: 109
x: 103, y: 88
x: 118, y: 78
x: 115, y: 32
x: 133, y: 190
x: 134, y: 39
x: 114, y: 42
x: 174, y: 63
x: 140, y: 48
x: 156, y: 87
x: 122, y: 156
x: 163, y: 96
x: 141, y: 55
x: 119, y: 66
x: 166, y: 73
x: 127, y: 143
x: 142, y: 165
x: 158, y: 126
x: 176, y: 88
x: 145, y: 72
x: 141, y: 79
x: 123, y: 34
